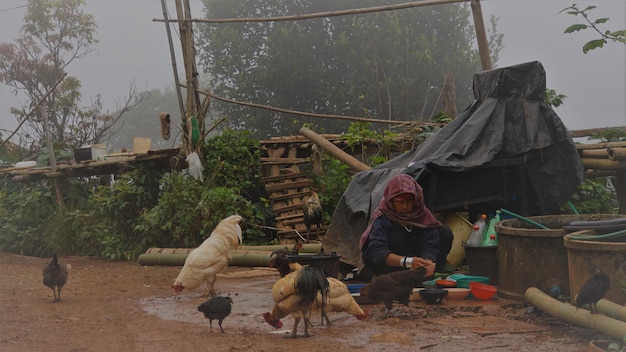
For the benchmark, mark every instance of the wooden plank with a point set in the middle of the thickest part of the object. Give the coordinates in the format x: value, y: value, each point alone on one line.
x: 286, y: 176
x: 278, y: 161
x: 290, y: 216
x: 288, y: 186
x: 287, y: 208
x: 282, y: 197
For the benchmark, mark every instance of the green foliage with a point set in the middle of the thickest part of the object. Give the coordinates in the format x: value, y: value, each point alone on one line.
x: 25, y: 211
x: 594, y: 196
x: 188, y: 211
x: 333, y: 183
x: 618, y: 36
x: 614, y: 134
x: 387, y: 65
x: 362, y: 133
x: 553, y: 98
x: 232, y: 159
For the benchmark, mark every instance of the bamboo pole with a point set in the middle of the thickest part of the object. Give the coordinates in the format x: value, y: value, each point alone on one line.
x: 601, y: 145
x: 322, y: 14
x: 259, y: 256
x: 611, y: 309
x: 595, y: 153
x: 309, y: 114
x: 312, y: 248
x: 603, y: 164
x: 179, y: 95
x: 616, y: 153
x: 591, y: 173
x: 579, y: 316
x: 333, y: 150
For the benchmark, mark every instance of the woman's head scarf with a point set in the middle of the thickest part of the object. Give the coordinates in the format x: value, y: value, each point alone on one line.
x: 420, y: 216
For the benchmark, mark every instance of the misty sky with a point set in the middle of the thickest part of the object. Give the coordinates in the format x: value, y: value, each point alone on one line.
x: 134, y: 48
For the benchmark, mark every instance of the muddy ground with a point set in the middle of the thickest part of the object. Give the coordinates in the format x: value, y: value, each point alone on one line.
x: 121, y: 306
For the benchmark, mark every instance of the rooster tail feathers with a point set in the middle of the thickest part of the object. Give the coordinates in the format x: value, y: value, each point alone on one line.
x: 312, y: 279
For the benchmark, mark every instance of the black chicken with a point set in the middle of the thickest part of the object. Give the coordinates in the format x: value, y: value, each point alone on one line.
x: 55, y: 276
x: 279, y: 260
x: 312, y: 214
x: 593, y: 290
x: 394, y: 286
x: 218, y: 307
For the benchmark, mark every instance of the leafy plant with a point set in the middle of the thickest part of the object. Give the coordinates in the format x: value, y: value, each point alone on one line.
x: 553, y: 98
x: 605, y: 36
x: 595, y: 196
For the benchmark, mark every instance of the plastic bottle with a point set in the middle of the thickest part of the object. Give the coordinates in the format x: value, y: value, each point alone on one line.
x: 491, y: 236
x: 475, y: 238
x: 482, y: 224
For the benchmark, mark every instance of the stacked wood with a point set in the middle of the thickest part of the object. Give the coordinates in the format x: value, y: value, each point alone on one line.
x: 290, y: 163
x: 603, y: 159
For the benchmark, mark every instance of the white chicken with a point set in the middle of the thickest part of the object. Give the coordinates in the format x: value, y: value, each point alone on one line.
x: 211, y: 257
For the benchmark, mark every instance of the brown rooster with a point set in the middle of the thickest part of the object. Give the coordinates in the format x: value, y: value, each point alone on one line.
x: 295, y: 295
x: 312, y: 214
x: 339, y: 297
x: 218, y: 307
x: 396, y: 286
x: 55, y: 276
x: 593, y: 290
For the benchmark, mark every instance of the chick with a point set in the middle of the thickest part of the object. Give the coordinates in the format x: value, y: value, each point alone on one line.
x: 218, y: 307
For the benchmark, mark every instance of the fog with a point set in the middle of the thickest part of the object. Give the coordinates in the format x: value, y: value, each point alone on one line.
x: 133, y: 48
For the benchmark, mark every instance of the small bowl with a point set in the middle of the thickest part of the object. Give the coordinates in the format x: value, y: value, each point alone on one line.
x: 433, y: 295
x: 482, y: 291
x: 457, y: 293
x: 445, y: 283
x: 465, y: 281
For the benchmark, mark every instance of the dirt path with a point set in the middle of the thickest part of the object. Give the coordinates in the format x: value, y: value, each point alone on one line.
x: 119, y: 306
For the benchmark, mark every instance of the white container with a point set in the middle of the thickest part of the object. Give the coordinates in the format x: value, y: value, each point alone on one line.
x: 98, y: 151
x: 25, y: 164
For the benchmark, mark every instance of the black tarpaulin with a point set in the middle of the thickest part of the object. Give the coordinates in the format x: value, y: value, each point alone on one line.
x: 508, y: 119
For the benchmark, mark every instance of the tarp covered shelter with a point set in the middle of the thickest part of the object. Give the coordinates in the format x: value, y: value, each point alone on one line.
x: 508, y: 140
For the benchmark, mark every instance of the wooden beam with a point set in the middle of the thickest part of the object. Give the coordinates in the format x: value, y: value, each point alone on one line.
x: 481, y: 36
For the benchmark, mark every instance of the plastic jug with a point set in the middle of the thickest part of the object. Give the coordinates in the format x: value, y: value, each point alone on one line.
x: 491, y: 236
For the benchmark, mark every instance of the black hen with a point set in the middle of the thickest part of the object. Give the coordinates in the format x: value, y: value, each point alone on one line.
x: 279, y: 260
x: 55, y: 276
x: 593, y: 290
x: 396, y: 286
x: 312, y: 214
x: 218, y: 307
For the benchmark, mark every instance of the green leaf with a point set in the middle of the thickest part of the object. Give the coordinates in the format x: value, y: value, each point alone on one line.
x: 575, y: 28
x: 594, y: 44
x: 601, y: 20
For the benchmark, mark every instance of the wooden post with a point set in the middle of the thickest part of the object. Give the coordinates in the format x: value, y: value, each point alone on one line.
x: 481, y: 35
x: 181, y: 103
x: 53, y: 162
